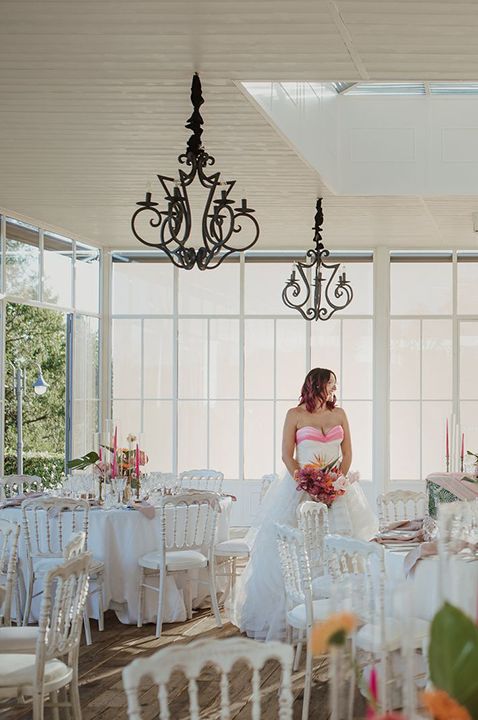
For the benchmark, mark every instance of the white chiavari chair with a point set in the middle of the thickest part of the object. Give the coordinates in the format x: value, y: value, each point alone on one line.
x: 400, y: 505
x: 209, y: 480
x: 9, y: 534
x: 458, y: 554
x: 187, y: 526
x: 357, y: 569
x: 266, y: 482
x: 54, y: 663
x: 190, y: 659
x: 312, y: 520
x: 11, y: 485
x: 301, y: 610
x: 48, y: 525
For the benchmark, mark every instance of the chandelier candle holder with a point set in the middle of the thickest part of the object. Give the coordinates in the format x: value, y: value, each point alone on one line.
x: 221, y: 222
x: 327, y: 291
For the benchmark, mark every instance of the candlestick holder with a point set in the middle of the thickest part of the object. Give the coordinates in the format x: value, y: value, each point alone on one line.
x: 448, y: 463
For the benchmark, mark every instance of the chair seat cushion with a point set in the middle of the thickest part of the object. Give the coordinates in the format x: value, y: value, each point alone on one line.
x: 230, y: 548
x: 18, y: 639
x: 175, y: 560
x: 368, y: 637
x: 43, y: 565
x: 18, y: 670
x: 322, y: 587
x: 296, y: 617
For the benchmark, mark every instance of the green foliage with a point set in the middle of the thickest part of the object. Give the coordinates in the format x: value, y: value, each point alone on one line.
x: 84, y: 461
x: 36, y: 335
x: 48, y: 466
x: 453, y: 656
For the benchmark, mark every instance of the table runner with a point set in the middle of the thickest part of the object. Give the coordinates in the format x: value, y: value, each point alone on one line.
x: 448, y: 487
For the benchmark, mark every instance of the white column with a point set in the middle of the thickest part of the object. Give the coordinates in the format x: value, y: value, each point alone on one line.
x: 381, y: 362
x: 105, y: 329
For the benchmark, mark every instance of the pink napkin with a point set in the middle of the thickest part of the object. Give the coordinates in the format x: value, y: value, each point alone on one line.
x: 145, y: 508
x: 414, y: 528
x: 426, y: 549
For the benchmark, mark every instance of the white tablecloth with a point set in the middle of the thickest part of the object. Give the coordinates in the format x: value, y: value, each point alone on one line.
x: 118, y: 538
x: 461, y: 583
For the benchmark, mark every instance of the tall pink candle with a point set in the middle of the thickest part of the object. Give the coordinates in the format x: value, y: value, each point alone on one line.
x: 100, y: 454
x: 137, y: 460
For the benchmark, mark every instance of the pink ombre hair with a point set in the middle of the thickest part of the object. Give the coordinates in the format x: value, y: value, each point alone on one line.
x: 314, y: 389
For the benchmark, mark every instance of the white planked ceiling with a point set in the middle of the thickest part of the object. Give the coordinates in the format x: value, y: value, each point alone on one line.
x: 94, y: 96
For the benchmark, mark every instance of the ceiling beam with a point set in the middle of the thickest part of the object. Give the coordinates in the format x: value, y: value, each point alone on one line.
x: 347, y: 39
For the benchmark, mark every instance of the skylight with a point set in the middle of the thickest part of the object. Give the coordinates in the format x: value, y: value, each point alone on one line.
x: 406, y: 88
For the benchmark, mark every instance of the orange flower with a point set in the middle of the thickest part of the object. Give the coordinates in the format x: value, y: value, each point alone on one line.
x: 332, y: 631
x: 443, y: 707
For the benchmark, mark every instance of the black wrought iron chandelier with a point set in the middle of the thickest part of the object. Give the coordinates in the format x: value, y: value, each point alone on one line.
x: 325, y: 293
x: 221, y: 222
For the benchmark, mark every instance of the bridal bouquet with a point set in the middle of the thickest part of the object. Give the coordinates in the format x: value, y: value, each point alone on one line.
x: 323, y: 483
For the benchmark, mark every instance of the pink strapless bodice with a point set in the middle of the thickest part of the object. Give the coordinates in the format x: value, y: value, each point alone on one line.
x: 315, y: 435
x: 312, y: 445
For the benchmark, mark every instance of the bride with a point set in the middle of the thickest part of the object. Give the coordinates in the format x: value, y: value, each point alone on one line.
x: 315, y: 430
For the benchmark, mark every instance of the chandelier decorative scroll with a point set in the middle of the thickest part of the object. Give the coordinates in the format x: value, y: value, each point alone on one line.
x: 327, y: 290
x: 221, y: 221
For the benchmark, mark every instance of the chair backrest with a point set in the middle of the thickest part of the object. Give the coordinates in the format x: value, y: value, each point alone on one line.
x: 312, y: 519
x: 294, y: 565
x: 193, y: 657
x: 49, y: 523
x: 266, y: 482
x: 61, y: 613
x: 9, y: 533
x: 75, y: 546
x: 11, y: 485
x: 187, y: 521
x: 457, y: 546
x: 210, y: 480
x: 400, y: 505
x: 157, y: 480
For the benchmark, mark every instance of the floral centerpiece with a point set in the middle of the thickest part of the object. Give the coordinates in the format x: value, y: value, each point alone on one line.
x: 323, y: 482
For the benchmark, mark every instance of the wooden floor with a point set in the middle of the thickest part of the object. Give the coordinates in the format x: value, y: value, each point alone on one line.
x: 101, y: 690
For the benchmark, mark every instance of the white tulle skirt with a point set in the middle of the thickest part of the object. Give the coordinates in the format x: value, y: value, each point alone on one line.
x: 260, y: 607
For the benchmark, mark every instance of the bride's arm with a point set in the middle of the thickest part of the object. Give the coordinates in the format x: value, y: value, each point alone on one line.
x: 288, y: 442
x: 346, y: 447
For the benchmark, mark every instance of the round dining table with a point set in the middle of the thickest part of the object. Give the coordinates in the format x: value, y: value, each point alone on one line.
x: 119, y: 537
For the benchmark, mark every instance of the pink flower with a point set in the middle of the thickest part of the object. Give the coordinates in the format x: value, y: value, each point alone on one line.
x: 353, y: 476
x: 341, y: 483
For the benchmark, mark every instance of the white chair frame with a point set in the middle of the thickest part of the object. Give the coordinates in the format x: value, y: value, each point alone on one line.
x: 180, y: 531
x: 457, y: 542
x: 208, y: 480
x: 9, y: 534
x: 400, y: 505
x: 313, y: 521
x: 54, y: 543
x: 18, y: 484
x: 193, y: 657
x: 63, y: 602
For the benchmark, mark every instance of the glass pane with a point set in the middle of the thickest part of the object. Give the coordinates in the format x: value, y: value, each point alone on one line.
x: 87, y: 278
x: 142, y: 288
x: 290, y: 357
x: 404, y: 359
x: 127, y: 419
x: 421, y: 288
x: 469, y: 360
x: 57, y: 270
x: 467, y: 290
x: 192, y: 435
x: 361, y: 431
x: 469, y: 424
x: 223, y: 438
x: 126, y: 358
x: 360, y: 275
x: 434, y: 415
x: 224, y: 358
x: 263, y: 285
x: 157, y: 437
x: 357, y: 363
x: 259, y: 358
x: 22, y: 260
x: 405, y: 441
x: 158, y: 358
x: 192, y: 343
x: 85, y: 383
x: 437, y: 359
x: 210, y: 292
x: 258, y: 439
x: 325, y: 347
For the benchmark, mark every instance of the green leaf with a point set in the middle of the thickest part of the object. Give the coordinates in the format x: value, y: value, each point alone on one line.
x: 84, y: 461
x: 453, y: 656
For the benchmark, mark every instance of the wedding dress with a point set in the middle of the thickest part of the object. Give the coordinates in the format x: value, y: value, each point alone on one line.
x: 259, y: 608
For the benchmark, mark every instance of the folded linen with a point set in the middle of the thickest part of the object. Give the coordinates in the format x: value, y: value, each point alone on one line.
x: 17, y: 500
x: 426, y: 549
x: 402, y: 532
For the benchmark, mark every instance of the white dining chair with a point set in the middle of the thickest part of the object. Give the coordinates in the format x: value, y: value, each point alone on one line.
x: 54, y: 664
x: 209, y: 480
x: 400, y: 505
x: 358, y: 584
x: 312, y: 520
x: 11, y: 485
x: 266, y: 482
x: 191, y: 659
x: 9, y: 534
x: 458, y: 555
x: 48, y: 525
x: 301, y: 610
x: 187, y: 530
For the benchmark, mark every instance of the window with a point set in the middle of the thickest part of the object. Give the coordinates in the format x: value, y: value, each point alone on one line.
x: 22, y: 260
